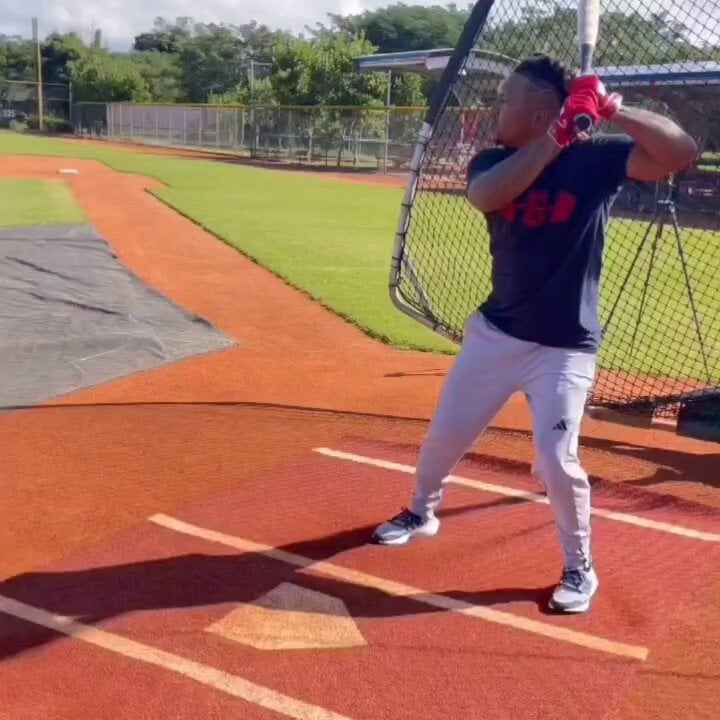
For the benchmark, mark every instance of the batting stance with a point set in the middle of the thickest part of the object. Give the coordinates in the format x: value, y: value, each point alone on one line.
x: 546, y: 192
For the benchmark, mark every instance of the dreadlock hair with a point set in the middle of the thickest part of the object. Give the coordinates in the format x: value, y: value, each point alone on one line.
x: 546, y: 73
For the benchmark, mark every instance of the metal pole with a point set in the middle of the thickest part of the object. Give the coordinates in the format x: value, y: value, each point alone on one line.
x: 71, y: 108
x: 38, y: 70
x: 387, y: 119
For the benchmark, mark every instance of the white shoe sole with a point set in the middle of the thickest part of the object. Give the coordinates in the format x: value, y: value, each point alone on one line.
x: 405, y: 539
x: 569, y: 610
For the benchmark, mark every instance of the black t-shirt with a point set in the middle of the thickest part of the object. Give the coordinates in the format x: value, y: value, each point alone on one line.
x: 547, y: 246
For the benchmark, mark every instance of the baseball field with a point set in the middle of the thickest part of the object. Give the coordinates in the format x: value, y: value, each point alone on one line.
x: 209, y: 402
x: 333, y: 242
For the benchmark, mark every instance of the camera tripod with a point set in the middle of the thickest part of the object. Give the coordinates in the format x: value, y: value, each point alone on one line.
x: 665, y: 211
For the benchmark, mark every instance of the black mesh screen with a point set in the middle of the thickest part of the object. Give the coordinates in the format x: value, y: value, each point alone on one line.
x: 660, y: 304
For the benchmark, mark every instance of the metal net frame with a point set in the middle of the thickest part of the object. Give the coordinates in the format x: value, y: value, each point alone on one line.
x: 660, y: 293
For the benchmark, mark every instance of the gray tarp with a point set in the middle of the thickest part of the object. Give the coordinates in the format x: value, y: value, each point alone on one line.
x: 72, y: 316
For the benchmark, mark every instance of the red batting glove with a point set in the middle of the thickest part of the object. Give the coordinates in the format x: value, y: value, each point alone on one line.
x: 585, y: 83
x: 581, y: 102
x: 563, y: 131
x: 607, y: 104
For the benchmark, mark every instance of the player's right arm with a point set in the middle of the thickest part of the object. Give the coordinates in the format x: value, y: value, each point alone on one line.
x: 493, y: 184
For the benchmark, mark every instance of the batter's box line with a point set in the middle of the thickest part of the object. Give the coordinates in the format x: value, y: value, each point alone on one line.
x: 400, y: 590
x: 622, y: 517
x: 227, y: 683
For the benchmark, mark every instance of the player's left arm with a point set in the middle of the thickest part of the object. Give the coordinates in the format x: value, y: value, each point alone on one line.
x: 661, y: 147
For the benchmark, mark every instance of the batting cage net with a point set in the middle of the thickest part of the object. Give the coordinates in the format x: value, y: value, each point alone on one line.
x: 660, y: 295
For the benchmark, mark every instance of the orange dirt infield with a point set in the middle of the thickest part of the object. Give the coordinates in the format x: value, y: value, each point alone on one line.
x: 226, y: 441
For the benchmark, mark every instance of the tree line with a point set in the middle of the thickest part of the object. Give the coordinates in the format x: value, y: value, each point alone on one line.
x: 182, y: 60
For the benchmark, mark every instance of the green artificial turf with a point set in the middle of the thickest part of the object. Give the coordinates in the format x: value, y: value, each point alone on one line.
x: 36, y: 202
x: 334, y: 241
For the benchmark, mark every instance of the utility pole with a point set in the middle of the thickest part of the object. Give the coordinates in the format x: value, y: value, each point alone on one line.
x: 38, y: 69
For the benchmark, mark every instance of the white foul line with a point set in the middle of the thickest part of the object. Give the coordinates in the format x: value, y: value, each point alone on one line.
x: 209, y: 676
x: 529, y: 496
x: 390, y: 587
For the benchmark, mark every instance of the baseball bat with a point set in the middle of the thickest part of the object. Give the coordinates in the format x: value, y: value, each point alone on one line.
x: 588, y: 29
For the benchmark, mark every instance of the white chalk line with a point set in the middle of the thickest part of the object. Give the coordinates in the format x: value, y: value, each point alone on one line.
x: 391, y: 587
x: 622, y: 517
x: 209, y: 676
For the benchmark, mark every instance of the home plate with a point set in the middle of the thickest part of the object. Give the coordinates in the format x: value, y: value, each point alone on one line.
x: 291, y: 617
x: 69, y: 171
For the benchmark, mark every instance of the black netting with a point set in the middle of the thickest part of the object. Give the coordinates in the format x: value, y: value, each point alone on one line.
x: 660, y: 302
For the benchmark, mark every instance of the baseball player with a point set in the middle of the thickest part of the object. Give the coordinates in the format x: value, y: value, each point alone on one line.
x: 546, y: 192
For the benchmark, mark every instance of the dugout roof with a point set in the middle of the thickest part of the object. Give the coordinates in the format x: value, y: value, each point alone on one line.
x: 431, y: 63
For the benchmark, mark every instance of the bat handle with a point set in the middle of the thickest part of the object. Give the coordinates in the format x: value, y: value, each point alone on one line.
x: 583, y: 123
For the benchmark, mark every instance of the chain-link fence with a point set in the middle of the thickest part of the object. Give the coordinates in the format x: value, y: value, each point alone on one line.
x: 343, y: 137
x: 19, y: 102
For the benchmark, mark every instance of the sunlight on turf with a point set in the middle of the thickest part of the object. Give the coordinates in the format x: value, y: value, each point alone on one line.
x: 35, y: 202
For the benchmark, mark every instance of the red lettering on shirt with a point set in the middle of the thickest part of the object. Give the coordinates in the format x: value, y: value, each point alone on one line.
x: 509, y: 212
x: 539, y: 211
x: 564, y: 208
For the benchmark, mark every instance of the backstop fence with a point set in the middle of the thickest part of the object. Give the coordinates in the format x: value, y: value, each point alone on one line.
x: 344, y: 137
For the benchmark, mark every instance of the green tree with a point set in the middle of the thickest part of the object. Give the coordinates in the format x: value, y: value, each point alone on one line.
x: 401, y: 27
x: 99, y: 76
x: 166, y: 36
x: 263, y: 94
x: 408, y: 91
x: 59, y: 52
x: 16, y: 59
x: 320, y: 72
x: 260, y: 40
x: 213, y: 62
x: 162, y: 74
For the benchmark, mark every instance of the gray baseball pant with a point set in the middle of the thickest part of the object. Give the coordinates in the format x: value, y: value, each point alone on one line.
x: 490, y: 367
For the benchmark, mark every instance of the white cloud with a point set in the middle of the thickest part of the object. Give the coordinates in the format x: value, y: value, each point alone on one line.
x: 121, y: 20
